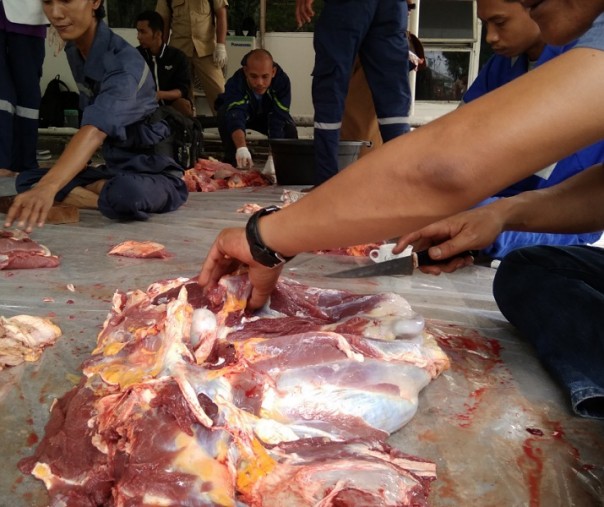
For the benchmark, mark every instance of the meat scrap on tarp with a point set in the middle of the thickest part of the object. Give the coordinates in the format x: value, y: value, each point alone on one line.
x: 19, y: 251
x: 140, y: 249
x: 188, y: 400
x: 24, y: 338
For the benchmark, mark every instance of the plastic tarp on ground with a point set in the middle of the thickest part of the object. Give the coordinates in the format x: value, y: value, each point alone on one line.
x: 499, y: 429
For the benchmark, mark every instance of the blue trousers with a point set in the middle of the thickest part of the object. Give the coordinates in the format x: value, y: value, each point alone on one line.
x: 376, y: 31
x: 21, y: 58
x: 127, y: 195
x: 555, y: 297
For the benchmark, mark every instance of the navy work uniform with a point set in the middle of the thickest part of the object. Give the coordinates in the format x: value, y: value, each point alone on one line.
x: 376, y: 30
x: 239, y: 108
x: 22, y: 34
x: 117, y: 96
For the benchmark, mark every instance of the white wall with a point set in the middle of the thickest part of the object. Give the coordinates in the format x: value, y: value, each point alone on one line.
x: 295, y: 53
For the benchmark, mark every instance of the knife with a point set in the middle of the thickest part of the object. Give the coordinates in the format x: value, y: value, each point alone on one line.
x: 399, y: 266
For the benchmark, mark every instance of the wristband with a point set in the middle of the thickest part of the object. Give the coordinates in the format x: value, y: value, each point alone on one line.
x: 260, y: 252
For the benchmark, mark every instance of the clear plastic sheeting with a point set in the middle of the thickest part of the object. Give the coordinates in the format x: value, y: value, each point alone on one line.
x: 499, y: 429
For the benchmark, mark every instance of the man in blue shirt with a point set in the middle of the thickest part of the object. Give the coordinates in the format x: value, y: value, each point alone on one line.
x: 120, y: 114
x: 256, y: 97
x: 518, y: 46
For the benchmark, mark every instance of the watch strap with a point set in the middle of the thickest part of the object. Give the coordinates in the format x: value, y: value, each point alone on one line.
x: 260, y: 252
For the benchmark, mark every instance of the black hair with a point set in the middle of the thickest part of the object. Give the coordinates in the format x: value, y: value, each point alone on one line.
x: 99, y: 12
x: 154, y: 18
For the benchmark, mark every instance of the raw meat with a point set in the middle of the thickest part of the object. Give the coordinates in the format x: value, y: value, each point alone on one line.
x: 209, y: 175
x: 353, y: 251
x: 140, y: 249
x: 249, y: 208
x: 18, y: 251
x: 188, y: 400
x: 358, y: 473
x: 24, y: 337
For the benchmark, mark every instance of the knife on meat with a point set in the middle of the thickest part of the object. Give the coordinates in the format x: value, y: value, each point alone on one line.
x: 399, y: 266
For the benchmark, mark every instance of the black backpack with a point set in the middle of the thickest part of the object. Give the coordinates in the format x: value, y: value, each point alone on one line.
x: 56, y: 100
x: 187, y: 135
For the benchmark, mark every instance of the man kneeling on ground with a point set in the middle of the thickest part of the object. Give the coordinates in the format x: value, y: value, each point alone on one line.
x: 256, y: 97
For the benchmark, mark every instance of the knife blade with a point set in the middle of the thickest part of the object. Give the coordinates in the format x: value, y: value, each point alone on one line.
x: 399, y: 266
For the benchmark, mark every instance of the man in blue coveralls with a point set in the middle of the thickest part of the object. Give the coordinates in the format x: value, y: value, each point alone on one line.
x: 376, y: 30
x: 518, y: 46
x: 117, y: 96
x: 256, y: 97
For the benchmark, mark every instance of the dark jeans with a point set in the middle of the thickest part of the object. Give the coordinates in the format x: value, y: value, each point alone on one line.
x: 259, y: 123
x: 555, y: 297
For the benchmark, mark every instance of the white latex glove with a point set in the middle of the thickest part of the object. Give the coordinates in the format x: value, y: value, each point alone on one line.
x: 220, y: 55
x: 244, y: 158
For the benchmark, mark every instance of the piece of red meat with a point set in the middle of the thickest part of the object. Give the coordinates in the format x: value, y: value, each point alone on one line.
x: 254, y: 419
x: 19, y: 251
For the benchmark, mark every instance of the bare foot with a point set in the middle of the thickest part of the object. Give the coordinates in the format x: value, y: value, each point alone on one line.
x: 7, y: 173
x: 96, y: 187
x: 82, y: 198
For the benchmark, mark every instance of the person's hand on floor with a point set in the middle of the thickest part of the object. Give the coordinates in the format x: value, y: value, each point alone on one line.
x: 30, y: 208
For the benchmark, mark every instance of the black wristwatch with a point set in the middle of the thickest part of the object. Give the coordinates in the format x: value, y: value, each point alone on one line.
x: 260, y: 252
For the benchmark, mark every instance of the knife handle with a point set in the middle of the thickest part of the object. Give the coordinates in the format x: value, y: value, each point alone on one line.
x: 424, y: 259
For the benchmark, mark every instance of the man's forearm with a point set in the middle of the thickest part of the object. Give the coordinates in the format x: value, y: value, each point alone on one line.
x: 238, y: 137
x: 221, y: 25
x: 573, y: 206
x: 169, y: 95
x: 74, y: 158
x: 451, y: 163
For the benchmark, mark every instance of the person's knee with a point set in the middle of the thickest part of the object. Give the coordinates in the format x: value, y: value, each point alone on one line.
x: 122, y: 198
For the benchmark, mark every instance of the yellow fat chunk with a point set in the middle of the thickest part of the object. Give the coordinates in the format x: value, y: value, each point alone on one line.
x: 254, y: 467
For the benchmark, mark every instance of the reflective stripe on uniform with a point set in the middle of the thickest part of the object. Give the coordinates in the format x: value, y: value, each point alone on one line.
x: 27, y: 112
x: 83, y: 89
x: 237, y: 103
x: 143, y: 77
x: 393, y: 120
x: 5, y: 105
x: 328, y: 126
x: 278, y: 103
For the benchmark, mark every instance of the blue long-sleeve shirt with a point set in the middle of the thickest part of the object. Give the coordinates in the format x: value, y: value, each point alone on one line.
x: 498, y: 71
